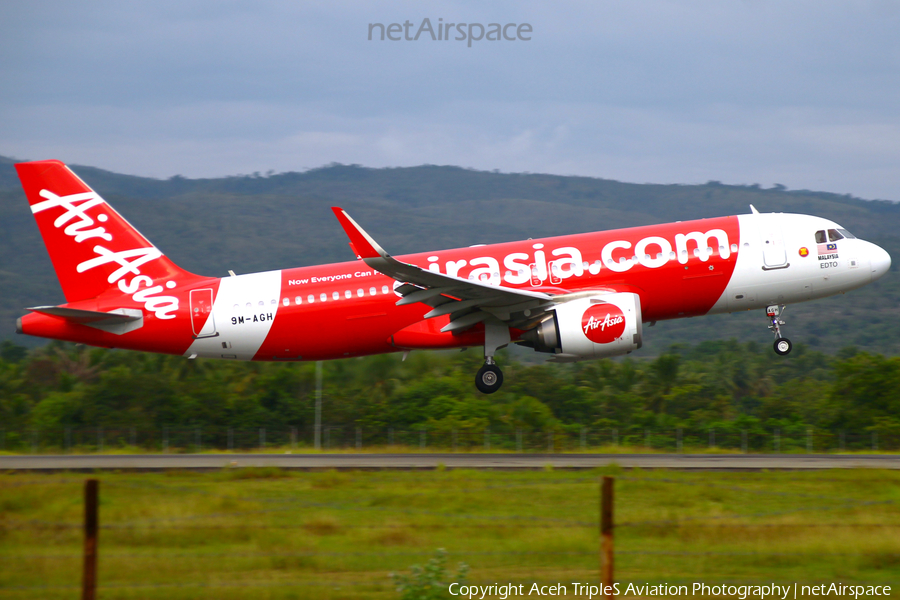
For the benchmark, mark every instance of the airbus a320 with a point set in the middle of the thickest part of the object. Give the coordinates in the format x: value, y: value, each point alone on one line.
x: 575, y: 297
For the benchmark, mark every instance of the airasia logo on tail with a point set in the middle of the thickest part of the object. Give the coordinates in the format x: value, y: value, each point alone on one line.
x: 81, y: 226
x: 603, y: 323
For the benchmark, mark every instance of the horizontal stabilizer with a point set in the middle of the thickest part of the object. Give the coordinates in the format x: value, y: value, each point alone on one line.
x: 118, y: 321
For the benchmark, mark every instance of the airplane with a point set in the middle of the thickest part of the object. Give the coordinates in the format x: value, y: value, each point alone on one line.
x: 576, y: 297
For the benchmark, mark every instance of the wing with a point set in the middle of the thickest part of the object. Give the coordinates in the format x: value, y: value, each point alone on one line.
x: 466, y: 301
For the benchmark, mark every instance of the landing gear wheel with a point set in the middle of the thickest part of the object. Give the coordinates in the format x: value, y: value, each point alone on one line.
x: 489, y: 379
x: 783, y: 346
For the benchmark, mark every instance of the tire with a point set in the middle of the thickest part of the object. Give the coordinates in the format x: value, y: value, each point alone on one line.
x: 783, y: 346
x: 489, y: 379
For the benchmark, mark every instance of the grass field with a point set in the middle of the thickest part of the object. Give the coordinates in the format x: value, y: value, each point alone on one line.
x: 265, y: 533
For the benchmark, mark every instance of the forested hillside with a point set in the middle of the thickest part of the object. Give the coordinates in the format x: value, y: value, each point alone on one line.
x: 252, y: 223
x: 728, y: 387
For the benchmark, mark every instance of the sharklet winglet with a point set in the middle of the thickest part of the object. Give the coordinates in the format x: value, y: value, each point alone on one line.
x: 361, y: 242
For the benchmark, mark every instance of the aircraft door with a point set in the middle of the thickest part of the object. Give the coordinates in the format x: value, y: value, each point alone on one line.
x: 555, y: 278
x: 772, y: 241
x: 536, y: 280
x: 202, y: 321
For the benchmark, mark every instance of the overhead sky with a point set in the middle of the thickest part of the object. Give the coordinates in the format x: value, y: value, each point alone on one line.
x: 803, y: 93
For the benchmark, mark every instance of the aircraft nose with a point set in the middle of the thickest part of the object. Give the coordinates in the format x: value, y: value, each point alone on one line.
x: 880, y: 261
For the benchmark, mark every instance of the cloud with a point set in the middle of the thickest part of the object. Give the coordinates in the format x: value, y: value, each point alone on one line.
x: 803, y: 94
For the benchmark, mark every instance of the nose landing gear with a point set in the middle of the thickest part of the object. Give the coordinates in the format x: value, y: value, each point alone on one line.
x: 782, y: 345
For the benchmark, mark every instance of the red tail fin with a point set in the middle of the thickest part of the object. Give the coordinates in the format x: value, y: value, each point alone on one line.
x: 92, y: 247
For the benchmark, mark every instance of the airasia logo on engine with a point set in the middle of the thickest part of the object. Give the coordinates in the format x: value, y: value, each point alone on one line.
x: 603, y: 323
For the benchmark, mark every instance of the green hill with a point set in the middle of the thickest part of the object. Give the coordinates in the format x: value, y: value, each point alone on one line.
x: 252, y: 223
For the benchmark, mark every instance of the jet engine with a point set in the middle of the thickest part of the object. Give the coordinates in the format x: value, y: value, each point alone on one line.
x: 588, y: 328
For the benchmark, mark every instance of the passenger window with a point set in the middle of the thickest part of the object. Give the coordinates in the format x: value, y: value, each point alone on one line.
x: 323, y: 296
x: 348, y: 294
x: 371, y: 291
x: 833, y: 235
x: 360, y: 293
x: 336, y: 295
x: 820, y: 237
x: 384, y: 289
x: 286, y: 301
x: 311, y: 298
x: 298, y: 300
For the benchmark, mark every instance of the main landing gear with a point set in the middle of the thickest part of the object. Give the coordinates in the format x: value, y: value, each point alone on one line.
x: 496, y: 335
x: 489, y: 377
x: 782, y: 344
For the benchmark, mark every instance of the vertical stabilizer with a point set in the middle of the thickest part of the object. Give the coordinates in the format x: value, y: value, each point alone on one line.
x: 92, y: 247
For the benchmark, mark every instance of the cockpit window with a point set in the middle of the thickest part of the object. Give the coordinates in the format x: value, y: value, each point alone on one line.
x: 833, y: 235
x: 847, y: 234
x: 820, y: 237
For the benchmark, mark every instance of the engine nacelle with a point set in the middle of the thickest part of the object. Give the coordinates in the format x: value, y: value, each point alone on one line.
x: 587, y: 328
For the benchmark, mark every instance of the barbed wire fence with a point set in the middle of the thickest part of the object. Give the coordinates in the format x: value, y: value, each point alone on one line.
x: 606, y: 526
x: 363, y: 438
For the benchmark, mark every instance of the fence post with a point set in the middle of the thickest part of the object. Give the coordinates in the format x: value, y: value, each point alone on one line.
x: 777, y: 440
x: 453, y: 433
x: 89, y: 573
x: 359, y: 438
x: 606, y: 536
x: 744, y: 441
x: 487, y: 438
x: 519, y: 441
